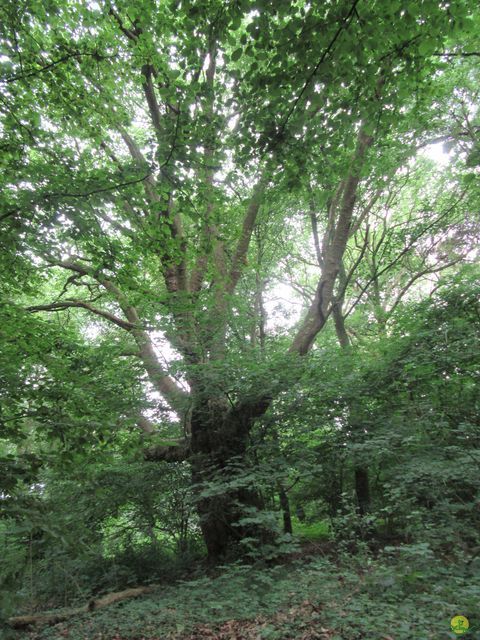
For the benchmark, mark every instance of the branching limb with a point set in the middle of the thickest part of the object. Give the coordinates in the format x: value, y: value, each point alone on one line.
x: 151, y: 98
x: 404, y: 251
x: 239, y: 257
x: 365, y: 212
x: 174, y: 270
x: 145, y: 425
x: 168, y: 453
x: 163, y: 383
x: 417, y: 276
x: 333, y: 251
x: 80, y: 304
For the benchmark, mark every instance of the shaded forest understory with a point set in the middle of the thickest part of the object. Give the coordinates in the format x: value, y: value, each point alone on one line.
x: 239, y: 319
x: 400, y: 567
x: 403, y: 594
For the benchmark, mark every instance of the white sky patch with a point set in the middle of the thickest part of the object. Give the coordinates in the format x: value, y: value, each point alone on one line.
x: 283, y: 306
x: 437, y: 153
x: 166, y: 354
x: 232, y: 122
x: 206, y: 62
x: 91, y: 331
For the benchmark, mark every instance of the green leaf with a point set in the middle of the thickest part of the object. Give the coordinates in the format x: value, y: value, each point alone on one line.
x: 236, y: 55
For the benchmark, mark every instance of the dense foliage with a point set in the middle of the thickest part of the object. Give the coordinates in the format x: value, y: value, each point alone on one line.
x: 239, y: 286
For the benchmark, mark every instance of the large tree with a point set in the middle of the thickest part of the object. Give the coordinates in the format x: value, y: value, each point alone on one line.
x: 147, y: 143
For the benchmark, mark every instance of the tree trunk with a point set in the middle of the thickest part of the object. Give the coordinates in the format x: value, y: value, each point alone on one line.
x: 362, y: 489
x: 219, y: 460
x: 285, y: 505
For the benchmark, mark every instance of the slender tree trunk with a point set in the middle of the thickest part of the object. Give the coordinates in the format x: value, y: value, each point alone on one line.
x: 362, y: 489
x: 300, y: 513
x: 285, y: 505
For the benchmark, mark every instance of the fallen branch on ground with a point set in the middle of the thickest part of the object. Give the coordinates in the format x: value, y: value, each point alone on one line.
x: 21, y: 622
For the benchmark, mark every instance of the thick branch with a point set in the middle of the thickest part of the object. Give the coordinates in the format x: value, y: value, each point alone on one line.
x: 209, y: 233
x: 168, y: 453
x: 198, y: 272
x: 137, y: 155
x: 163, y: 383
x: 460, y: 54
x: 149, y: 91
x: 70, y: 304
x: 174, y: 395
x: 22, y: 622
x: 131, y: 35
x: 174, y: 274
x: 333, y: 252
x: 337, y: 309
x: 316, y: 237
x: 240, y: 254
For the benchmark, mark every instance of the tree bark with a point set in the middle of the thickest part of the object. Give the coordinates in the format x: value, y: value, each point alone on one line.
x: 361, y: 472
x: 285, y: 505
x: 333, y: 250
x: 219, y: 446
x: 362, y: 489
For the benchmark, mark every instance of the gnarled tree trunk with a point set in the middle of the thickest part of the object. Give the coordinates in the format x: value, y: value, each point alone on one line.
x: 218, y: 458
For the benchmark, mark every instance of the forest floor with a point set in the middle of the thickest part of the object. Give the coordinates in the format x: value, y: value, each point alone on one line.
x: 405, y: 593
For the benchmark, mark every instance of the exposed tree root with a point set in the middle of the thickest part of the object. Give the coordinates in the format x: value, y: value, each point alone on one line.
x: 21, y: 622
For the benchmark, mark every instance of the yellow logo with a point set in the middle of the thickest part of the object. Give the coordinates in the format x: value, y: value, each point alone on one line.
x: 459, y: 625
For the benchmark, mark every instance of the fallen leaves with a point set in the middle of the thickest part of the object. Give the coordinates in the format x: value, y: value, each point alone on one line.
x: 301, y: 623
